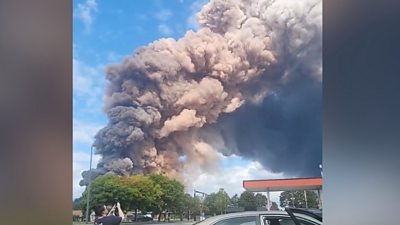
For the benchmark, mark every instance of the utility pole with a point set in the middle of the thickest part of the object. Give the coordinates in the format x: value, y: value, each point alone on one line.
x: 320, y: 189
x: 88, y: 187
x: 305, y: 198
x: 268, y: 201
x: 201, y: 205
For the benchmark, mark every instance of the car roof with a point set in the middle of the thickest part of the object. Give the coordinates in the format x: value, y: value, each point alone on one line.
x: 241, y: 214
x: 214, y: 219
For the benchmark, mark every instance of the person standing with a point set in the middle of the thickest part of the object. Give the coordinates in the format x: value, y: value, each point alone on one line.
x: 105, y: 217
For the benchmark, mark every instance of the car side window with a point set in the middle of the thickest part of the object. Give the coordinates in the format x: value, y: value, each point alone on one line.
x: 248, y: 220
x: 273, y: 221
x: 289, y: 221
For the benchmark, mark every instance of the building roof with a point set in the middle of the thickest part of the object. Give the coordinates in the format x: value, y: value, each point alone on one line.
x: 311, y: 183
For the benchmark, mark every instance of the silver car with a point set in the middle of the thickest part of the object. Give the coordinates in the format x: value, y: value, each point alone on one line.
x: 287, y: 217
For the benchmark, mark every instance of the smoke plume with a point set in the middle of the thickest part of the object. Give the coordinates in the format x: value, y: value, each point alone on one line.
x: 248, y: 82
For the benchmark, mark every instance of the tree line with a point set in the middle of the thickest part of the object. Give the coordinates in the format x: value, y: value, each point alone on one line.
x: 162, y: 196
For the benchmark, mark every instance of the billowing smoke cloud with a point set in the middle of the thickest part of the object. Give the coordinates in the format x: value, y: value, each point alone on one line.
x: 248, y: 82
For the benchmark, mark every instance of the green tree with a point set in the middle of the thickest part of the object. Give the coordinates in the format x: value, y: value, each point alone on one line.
x: 196, y: 206
x: 210, y: 206
x: 76, y: 204
x: 189, y: 207
x: 221, y: 201
x: 296, y: 199
x: 261, y: 200
x: 106, y: 189
x: 147, y: 193
x: 171, y: 197
x: 156, y: 193
x: 216, y: 203
x: 247, y: 200
x: 234, y: 201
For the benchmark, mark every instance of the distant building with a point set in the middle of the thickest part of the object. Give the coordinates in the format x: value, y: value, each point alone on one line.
x: 77, y: 215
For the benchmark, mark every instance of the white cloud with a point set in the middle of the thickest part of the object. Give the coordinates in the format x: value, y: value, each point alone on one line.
x: 88, y: 86
x: 82, y: 75
x: 163, y: 14
x: 113, y: 57
x: 191, y: 23
x: 81, y: 162
x: 195, y: 7
x: 165, y: 29
x: 84, y: 132
x: 231, y: 178
x: 85, y: 12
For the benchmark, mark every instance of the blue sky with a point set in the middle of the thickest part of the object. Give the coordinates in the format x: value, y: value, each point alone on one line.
x: 103, y: 33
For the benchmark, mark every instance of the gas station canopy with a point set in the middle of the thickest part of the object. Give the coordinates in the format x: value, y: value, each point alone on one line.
x: 312, y: 183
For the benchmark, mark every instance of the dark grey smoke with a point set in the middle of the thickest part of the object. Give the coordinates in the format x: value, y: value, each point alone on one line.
x: 95, y: 173
x: 284, y: 133
x: 247, y: 83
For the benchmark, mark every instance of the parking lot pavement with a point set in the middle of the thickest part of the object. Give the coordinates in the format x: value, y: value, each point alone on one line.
x: 159, y: 223
x: 146, y: 223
